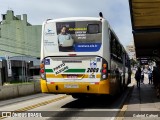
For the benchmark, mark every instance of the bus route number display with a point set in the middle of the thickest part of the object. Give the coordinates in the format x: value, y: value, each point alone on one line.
x: 92, y: 69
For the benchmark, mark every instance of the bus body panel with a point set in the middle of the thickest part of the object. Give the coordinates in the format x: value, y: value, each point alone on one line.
x: 44, y: 87
x: 101, y: 87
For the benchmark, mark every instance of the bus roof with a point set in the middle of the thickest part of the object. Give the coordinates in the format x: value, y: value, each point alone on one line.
x: 75, y: 19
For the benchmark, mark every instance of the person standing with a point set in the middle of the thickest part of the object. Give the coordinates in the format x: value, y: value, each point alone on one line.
x: 138, y: 77
x: 157, y: 79
x: 142, y: 75
x: 150, y: 75
x: 155, y: 76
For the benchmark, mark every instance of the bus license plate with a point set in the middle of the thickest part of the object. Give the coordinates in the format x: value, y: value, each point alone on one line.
x: 71, y: 86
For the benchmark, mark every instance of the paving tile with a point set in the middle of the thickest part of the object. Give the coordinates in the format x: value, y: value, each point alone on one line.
x: 143, y: 100
x: 131, y: 118
x: 149, y: 109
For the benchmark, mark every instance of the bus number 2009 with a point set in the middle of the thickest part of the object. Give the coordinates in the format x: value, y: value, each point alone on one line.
x: 92, y: 69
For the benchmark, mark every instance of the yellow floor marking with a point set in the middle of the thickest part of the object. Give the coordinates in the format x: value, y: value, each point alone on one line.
x: 120, y: 115
x: 41, y: 104
x: 37, y: 105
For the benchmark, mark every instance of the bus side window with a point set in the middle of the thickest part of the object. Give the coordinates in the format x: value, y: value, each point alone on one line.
x: 126, y: 61
x: 119, y: 52
x: 110, y: 40
x: 114, y: 48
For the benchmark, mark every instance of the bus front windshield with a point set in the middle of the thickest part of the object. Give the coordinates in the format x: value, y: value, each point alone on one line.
x: 79, y: 36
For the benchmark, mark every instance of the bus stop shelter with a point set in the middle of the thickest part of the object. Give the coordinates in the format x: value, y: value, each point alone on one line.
x: 145, y: 19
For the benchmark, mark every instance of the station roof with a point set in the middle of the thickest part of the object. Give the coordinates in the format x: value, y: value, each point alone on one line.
x: 145, y: 18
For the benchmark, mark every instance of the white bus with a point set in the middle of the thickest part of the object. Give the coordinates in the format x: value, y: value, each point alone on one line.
x: 82, y: 56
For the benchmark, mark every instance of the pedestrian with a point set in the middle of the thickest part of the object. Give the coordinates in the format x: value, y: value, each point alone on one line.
x: 142, y: 75
x: 157, y: 80
x: 138, y: 77
x: 154, y: 73
x: 150, y: 75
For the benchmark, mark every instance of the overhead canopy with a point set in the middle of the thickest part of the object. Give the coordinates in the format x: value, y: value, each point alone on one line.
x: 145, y: 18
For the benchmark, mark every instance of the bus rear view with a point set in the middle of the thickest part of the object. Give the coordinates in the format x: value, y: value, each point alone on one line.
x: 72, y: 57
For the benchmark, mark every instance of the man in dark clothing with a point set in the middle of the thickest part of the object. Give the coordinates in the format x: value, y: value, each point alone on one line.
x: 155, y: 76
x: 150, y: 76
x: 138, y: 77
x: 157, y: 82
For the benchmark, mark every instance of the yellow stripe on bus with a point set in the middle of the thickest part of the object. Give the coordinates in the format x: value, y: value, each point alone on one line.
x: 53, y: 76
x: 65, y: 76
x: 98, y: 76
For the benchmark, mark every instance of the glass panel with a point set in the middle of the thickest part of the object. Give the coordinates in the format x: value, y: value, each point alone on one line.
x: 93, y: 28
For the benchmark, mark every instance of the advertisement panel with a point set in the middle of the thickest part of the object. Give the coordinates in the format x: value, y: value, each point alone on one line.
x: 79, y: 36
